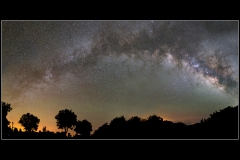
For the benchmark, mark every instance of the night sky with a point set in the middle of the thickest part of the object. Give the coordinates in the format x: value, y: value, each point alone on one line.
x: 181, y: 71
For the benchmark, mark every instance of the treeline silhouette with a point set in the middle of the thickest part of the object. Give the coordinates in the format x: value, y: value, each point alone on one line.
x: 221, y: 124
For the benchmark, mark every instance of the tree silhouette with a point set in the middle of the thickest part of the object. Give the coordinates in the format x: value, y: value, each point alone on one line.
x: 180, y: 130
x: 5, y: 109
x: 166, y: 129
x: 66, y: 119
x: 102, y: 132
x: 44, y: 129
x: 154, y: 118
x: 153, y: 127
x: 29, y: 122
x: 118, y: 127
x: 222, y: 124
x: 15, y: 130
x: 83, y: 127
x: 134, y: 127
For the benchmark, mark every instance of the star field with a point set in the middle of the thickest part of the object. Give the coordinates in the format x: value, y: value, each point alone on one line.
x: 179, y: 70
